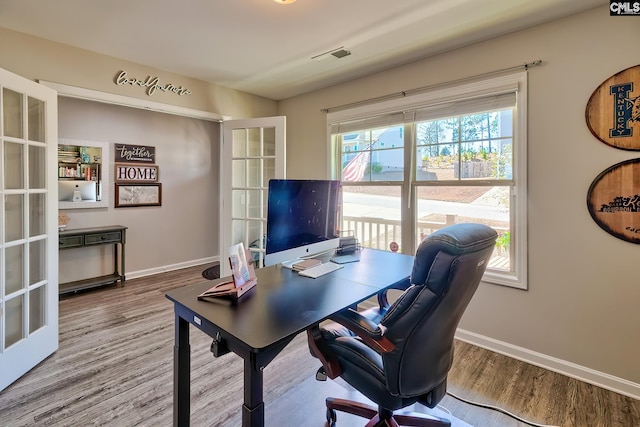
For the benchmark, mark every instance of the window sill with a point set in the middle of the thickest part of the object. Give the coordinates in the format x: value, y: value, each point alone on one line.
x: 511, y: 280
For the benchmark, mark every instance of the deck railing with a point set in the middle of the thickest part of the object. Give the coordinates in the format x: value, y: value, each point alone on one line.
x: 378, y: 233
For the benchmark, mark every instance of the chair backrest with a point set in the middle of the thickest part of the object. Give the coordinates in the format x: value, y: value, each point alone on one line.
x: 448, y: 267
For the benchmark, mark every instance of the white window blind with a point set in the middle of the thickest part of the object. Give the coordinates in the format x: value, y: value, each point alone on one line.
x: 490, y: 95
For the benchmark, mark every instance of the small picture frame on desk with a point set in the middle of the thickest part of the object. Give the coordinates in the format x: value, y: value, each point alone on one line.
x: 243, y: 275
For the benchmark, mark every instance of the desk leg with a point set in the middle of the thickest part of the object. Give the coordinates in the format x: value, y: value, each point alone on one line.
x: 253, y: 408
x: 181, y: 374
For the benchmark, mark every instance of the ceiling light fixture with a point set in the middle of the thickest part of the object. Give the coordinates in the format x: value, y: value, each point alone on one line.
x: 284, y: 1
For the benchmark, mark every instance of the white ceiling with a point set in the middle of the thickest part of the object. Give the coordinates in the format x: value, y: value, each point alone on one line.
x: 265, y: 48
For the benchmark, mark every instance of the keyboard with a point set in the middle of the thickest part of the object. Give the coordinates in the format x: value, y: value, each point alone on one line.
x: 320, y: 270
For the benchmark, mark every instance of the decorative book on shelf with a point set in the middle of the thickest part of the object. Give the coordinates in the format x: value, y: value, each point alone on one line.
x: 243, y: 275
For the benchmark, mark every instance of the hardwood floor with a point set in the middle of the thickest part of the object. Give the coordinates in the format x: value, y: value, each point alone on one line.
x: 114, y: 367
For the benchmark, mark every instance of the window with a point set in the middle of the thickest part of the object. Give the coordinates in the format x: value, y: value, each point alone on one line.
x: 413, y: 165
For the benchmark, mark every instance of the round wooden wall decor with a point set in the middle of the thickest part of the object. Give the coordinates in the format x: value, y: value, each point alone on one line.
x: 613, y: 111
x: 614, y: 200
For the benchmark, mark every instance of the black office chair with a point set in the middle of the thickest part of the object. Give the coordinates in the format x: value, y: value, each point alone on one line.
x: 400, y: 354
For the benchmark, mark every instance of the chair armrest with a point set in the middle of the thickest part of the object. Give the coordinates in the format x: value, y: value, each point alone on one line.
x: 369, y: 332
x: 383, y: 301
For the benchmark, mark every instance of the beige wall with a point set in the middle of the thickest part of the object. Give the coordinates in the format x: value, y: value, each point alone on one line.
x: 185, y: 229
x: 584, y: 290
x: 39, y: 59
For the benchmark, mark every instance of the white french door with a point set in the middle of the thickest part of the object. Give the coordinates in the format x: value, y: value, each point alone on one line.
x: 28, y: 225
x: 253, y: 152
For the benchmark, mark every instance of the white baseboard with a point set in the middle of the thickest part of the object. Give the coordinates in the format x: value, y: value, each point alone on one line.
x: 587, y: 375
x: 172, y: 267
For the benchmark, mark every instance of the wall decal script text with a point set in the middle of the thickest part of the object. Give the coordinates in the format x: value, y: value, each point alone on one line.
x: 151, y: 83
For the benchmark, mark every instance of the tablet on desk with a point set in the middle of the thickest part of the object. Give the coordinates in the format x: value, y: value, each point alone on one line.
x: 344, y: 259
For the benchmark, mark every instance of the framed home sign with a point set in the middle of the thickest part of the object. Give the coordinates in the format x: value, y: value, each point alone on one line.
x: 138, y: 194
x: 126, y: 172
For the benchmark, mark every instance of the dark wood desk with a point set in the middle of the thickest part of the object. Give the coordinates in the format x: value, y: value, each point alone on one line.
x: 267, y: 318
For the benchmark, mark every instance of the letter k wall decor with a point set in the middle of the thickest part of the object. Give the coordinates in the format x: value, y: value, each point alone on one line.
x: 613, y: 111
x: 613, y: 116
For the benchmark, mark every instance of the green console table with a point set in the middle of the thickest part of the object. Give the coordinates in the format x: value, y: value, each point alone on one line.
x: 86, y: 237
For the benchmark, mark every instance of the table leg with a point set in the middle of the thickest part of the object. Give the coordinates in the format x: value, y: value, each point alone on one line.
x: 253, y: 407
x: 181, y: 374
x: 122, y: 268
x: 116, y: 263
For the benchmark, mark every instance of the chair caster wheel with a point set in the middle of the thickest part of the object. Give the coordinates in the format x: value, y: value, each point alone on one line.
x: 321, y: 375
x: 332, y: 415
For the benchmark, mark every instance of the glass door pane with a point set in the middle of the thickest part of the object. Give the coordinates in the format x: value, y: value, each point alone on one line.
x: 36, y: 119
x: 14, y: 269
x: 37, y: 262
x: 14, y: 217
x: 37, y: 174
x: 37, y: 214
x: 14, y: 320
x: 37, y: 304
x: 12, y: 113
x: 13, y: 165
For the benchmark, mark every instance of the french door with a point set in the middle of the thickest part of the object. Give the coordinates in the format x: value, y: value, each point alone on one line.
x: 253, y: 152
x: 28, y: 225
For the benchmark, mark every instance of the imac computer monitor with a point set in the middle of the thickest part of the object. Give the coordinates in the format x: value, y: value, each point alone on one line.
x: 66, y: 189
x: 302, y: 219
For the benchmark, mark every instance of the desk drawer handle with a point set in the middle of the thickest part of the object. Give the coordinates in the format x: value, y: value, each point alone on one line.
x: 103, y: 237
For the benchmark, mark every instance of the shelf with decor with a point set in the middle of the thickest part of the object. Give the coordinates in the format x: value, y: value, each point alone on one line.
x: 83, y: 174
x: 79, y: 163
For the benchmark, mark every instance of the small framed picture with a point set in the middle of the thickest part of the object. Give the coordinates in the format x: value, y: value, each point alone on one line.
x: 134, y: 195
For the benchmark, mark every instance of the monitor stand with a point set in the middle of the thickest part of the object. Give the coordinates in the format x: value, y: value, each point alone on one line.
x: 289, y: 263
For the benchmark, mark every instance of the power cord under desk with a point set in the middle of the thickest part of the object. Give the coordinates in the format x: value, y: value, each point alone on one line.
x: 496, y: 408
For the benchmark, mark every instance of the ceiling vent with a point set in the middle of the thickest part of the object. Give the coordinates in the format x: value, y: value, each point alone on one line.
x: 334, y: 54
x: 341, y: 53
